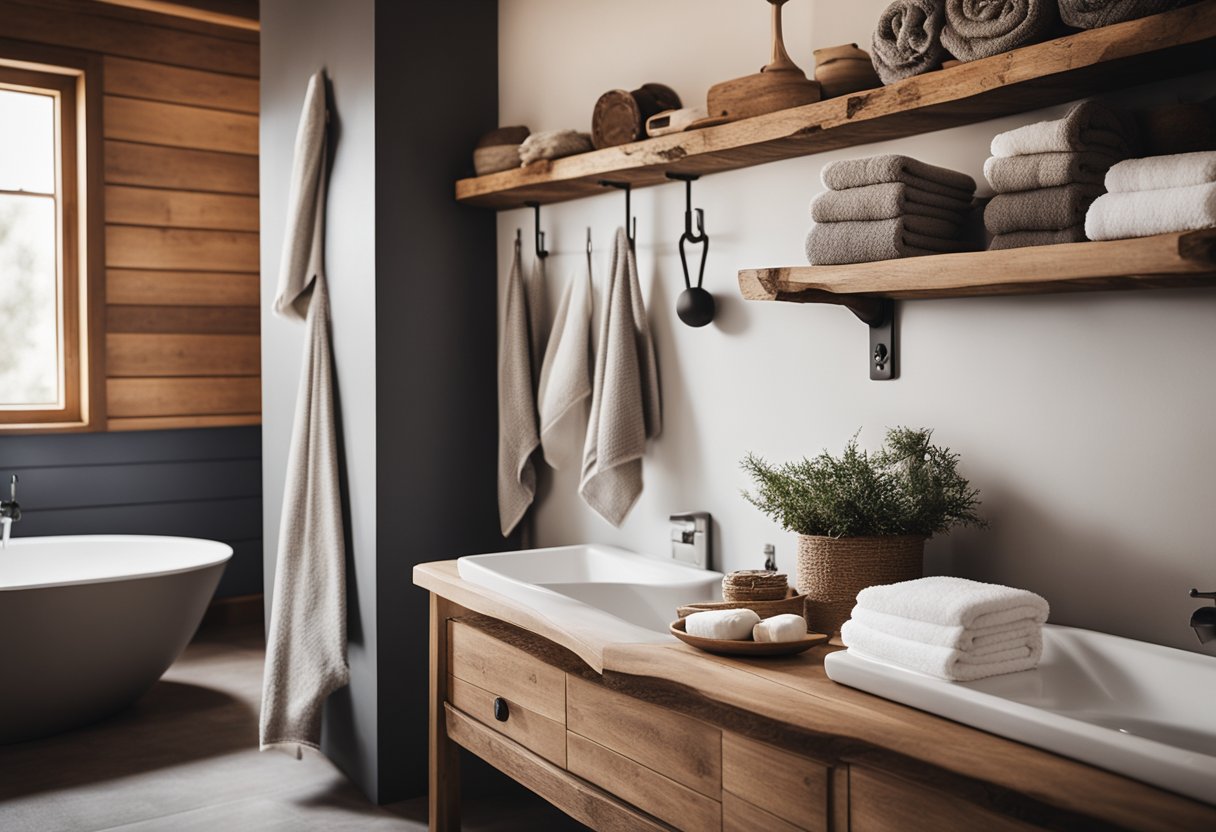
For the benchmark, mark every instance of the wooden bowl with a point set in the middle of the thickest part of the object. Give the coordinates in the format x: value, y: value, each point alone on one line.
x: 734, y: 647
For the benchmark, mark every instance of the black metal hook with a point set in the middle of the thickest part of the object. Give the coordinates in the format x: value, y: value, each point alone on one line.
x: 631, y: 222
x: 541, y: 251
x: 688, y: 236
x: 518, y: 239
x: 588, y: 241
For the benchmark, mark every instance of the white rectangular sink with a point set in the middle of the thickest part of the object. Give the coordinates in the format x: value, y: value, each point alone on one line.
x: 612, y: 593
x: 1138, y: 709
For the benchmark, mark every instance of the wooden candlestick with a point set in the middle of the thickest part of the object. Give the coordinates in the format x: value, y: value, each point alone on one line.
x: 777, y: 86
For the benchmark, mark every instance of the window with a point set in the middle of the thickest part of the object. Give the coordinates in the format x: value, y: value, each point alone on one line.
x: 42, y: 360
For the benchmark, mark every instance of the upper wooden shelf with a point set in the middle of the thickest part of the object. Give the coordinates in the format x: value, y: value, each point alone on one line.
x: 1136, y: 52
x: 1164, y: 261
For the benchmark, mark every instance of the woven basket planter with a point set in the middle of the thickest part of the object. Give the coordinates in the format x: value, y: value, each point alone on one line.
x: 832, y: 570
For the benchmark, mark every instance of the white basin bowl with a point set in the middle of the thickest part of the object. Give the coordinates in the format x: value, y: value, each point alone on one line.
x: 613, y: 593
x: 1138, y: 709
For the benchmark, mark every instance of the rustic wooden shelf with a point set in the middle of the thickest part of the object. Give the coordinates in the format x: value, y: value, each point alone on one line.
x: 1135, y: 52
x: 1163, y: 261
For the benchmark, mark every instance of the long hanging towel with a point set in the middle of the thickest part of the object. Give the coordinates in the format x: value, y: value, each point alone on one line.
x: 565, y: 377
x: 535, y: 296
x: 625, y: 406
x: 306, y: 644
x: 517, y: 432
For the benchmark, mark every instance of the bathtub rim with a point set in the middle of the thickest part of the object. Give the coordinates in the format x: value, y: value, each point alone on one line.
x: 219, y: 553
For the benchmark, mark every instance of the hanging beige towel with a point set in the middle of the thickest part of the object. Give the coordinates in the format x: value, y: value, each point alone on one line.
x: 625, y: 406
x: 565, y: 377
x: 306, y: 642
x: 537, y: 303
x: 517, y: 437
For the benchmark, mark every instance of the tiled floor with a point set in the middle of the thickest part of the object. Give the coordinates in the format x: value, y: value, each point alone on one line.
x: 185, y: 759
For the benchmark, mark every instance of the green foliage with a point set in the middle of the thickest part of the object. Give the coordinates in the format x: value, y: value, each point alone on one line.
x: 910, y: 486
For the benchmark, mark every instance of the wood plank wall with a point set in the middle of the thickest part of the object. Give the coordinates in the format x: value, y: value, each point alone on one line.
x: 180, y: 127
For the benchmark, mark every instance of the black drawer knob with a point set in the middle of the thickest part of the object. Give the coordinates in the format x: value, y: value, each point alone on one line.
x: 501, y: 711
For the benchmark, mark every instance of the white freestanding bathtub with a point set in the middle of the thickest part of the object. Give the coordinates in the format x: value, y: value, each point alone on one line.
x: 87, y: 624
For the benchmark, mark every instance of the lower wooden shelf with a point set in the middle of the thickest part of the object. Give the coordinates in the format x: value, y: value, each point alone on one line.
x: 1164, y: 261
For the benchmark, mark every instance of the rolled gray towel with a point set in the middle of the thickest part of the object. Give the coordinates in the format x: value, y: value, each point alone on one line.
x: 981, y: 28
x: 1092, y: 14
x: 1009, y: 174
x: 1045, y: 209
x: 885, y: 201
x: 838, y: 243
x: 1087, y: 126
x: 1024, y: 239
x: 873, y: 170
x: 908, y: 39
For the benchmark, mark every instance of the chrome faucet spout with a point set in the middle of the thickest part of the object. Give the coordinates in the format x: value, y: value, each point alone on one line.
x: 10, y: 513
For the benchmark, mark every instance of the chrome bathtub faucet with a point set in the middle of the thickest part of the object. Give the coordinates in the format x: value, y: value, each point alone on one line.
x: 10, y: 512
x: 691, y: 538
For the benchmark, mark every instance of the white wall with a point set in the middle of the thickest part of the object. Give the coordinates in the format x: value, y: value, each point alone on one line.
x: 1085, y: 420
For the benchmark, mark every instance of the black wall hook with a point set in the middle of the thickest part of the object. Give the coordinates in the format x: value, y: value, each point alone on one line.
x: 631, y: 223
x: 541, y: 251
x: 695, y: 306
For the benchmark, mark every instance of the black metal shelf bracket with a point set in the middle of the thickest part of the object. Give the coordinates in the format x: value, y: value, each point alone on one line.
x: 883, y: 353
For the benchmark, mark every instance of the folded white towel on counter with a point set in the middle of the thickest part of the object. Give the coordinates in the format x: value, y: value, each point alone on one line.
x: 732, y: 624
x: 565, y: 376
x: 1154, y: 173
x: 625, y: 406
x: 517, y: 434
x: 955, y: 602
x: 1145, y: 213
x: 784, y: 627
x: 941, y: 662
x: 955, y: 637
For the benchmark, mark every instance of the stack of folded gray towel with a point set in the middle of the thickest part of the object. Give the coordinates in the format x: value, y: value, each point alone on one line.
x: 1047, y: 174
x: 884, y: 207
x: 1156, y: 195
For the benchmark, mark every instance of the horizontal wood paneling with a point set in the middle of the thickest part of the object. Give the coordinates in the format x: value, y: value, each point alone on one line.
x: 97, y: 33
x: 130, y: 246
x: 125, y: 485
x: 147, y: 423
x: 191, y: 483
x: 205, y: 320
x: 183, y: 396
x: 157, y: 82
x: 176, y: 125
x: 180, y: 209
x: 181, y: 355
x: 170, y: 167
x: 139, y: 287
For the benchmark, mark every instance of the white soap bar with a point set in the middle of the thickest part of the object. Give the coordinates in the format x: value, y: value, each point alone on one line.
x: 734, y: 624
x: 787, y: 627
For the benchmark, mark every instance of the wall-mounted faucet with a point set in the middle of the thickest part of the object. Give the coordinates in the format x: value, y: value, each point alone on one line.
x: 10, y: 512
x: 691, y: 536
x: 1203, y: 620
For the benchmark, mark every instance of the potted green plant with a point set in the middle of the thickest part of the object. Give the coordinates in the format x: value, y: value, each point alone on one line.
x: 863, y: 518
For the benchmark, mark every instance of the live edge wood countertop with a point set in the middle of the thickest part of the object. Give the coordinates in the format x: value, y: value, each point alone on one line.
x: 790, y: 702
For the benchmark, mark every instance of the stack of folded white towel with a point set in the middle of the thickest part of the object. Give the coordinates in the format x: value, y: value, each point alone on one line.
x: 1156, y: 195
x: 951, y: 628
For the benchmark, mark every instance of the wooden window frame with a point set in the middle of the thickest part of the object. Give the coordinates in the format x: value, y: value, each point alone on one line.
x: 75, y: 78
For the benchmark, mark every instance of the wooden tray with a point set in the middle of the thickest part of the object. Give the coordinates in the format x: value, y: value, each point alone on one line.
x: 734, y: 647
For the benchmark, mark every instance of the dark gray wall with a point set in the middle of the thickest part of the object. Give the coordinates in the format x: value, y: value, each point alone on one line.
x: 193, y: 483
x: 436, y: 286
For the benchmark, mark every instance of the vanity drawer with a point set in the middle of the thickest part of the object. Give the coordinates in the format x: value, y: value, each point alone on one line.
x: 684, y: 749
x: 544, y: 736
x: 642, y: 787
x: 506, y: 671
x: 740, y: 816
x: 793, y: 788
x: 879, y: 802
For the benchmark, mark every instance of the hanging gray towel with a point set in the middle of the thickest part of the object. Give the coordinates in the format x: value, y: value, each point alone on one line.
x: 981, y: 28
x: 565, y: 377
x: 908, y: 39
x: 306, y: 642
x: 537, y: 304
x: 625, y: 406
x: 517, y: 436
